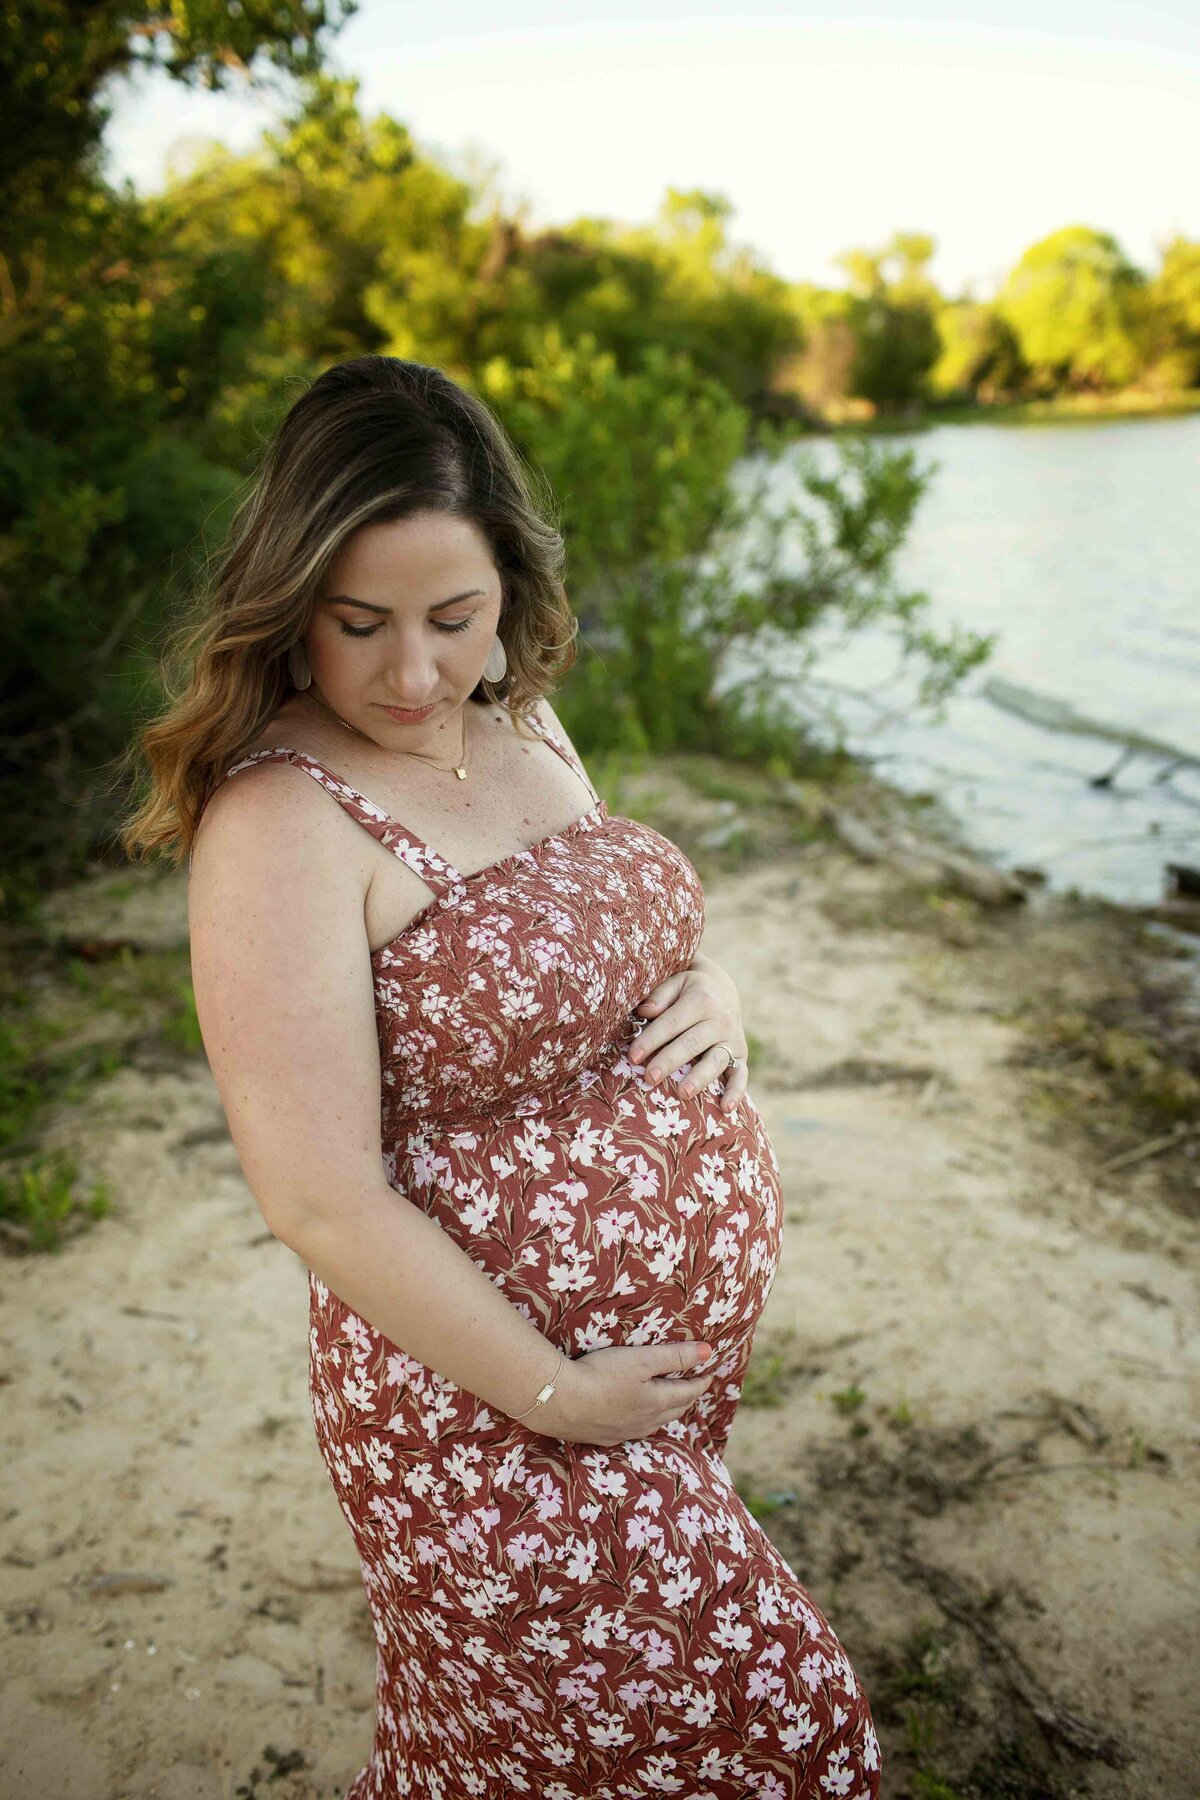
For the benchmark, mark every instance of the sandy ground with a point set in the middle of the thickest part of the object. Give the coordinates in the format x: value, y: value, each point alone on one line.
x: 971, y: 1425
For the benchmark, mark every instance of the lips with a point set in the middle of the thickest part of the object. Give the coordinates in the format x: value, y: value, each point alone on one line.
x: 398, y: 712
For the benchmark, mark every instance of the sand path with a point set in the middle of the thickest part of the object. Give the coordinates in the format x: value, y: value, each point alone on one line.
x: 998, y: 1513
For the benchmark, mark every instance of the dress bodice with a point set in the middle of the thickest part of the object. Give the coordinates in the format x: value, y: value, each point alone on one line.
x: 502, y: 991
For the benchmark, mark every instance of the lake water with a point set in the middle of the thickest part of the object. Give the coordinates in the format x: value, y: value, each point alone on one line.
x: 1079, y: 545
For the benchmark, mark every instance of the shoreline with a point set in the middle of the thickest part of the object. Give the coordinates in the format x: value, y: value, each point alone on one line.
x: 1065, y: 410
x: 965, y: 1421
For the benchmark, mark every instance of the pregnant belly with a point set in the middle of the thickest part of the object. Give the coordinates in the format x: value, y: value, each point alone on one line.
x: 619, y: 1214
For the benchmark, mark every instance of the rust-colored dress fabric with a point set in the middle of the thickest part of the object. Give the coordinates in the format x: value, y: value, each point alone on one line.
x: 554, y: 1620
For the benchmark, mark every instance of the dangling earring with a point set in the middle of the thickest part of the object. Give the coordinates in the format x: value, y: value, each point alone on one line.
x: 496, y: 666
x: 298, y: 667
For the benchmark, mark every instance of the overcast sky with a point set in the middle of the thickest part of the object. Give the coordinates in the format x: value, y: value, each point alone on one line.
x: 986, y: 126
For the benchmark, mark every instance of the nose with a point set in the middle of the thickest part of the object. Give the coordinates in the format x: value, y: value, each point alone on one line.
x: 411, y: 678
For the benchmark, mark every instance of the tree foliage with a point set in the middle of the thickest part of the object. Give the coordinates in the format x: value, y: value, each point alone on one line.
x: 1076, y: 306
x: 675, y: 566
x: 1173, y: 317
x: 149, y: 345
x: 59, y: 62
x: 978, y: 355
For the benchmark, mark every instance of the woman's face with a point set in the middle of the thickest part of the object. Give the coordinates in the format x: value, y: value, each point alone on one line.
x: 407, y: 617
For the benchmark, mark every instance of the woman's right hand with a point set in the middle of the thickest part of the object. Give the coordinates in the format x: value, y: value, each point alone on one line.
x: 623, y: 1392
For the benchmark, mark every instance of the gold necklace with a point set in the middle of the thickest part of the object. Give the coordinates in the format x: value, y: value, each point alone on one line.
x: 460, y: 768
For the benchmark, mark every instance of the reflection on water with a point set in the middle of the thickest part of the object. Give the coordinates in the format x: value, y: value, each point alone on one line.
x: 1079, y: 545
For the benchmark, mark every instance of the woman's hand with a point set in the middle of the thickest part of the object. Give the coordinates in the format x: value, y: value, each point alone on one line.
x: 692, y: 1013
x: 613, y: 1395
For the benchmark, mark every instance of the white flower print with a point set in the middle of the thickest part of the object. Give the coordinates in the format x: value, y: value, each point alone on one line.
x: 644, y: 1181
x: 668, y: 1258
x: 681, y: 1583
x: 840, y: 1774
x: 642, y: 1534
x: 587, y: 1142
x: 711, y: 1179
x: 729, y: 1634
x: 573, y: 1274
x: 692, y: 1523
x: 477, y: 1208
x: 525, y: 1548
x: 701, y: 1707
x: 543, y: 1640
x: 550, y: 1208
x: 613, y: 1227
x: 533, y: 1149
x: 665, y: 1116
x: 519, y: 1000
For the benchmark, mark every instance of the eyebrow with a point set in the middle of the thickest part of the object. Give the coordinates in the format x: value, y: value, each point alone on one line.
x: 348, y: 600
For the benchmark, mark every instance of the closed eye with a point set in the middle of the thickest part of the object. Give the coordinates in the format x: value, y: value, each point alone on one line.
x: 365, y: 631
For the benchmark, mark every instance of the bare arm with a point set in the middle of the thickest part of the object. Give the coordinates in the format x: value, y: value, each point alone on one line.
x: 284, y: 996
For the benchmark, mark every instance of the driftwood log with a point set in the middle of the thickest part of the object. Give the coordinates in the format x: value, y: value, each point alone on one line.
x: 924, y: 862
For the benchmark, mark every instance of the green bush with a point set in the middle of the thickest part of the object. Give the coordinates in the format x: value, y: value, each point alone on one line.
x: 674, y: 565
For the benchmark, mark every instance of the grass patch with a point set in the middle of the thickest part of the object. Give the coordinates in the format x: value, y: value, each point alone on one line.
x: 922, y: 1689
x: 1061, y: 408
x: 764, y: 1506
x: 765, y: 1380
x: 75, y: 1012
x: 1147, y: 1078
x: 41, y: 1064
x: 932, y: 1787
x: 41, y: 1202
x: 1122, y: 1068
x: 923, y: 1669
x: 71, y: 1023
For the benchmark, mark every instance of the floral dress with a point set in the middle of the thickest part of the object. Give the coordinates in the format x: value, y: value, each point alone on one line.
x: 554, y: 1620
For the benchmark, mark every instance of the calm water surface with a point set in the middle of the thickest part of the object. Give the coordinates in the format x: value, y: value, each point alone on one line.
x: 1079, y: 545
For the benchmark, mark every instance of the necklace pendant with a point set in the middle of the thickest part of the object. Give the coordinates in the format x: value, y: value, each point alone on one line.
x: 461, y: 773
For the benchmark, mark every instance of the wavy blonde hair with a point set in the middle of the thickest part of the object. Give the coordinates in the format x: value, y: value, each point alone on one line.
x: 371, y: 440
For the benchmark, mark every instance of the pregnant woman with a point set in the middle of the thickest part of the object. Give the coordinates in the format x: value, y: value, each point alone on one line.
x: 482, y: 1082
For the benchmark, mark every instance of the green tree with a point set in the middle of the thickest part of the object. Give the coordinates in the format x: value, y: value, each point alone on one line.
x: 113, y: 343
x: 820, y: 373
x: 894, y: 320
x: 1173, y: 313
x: 59, y: 62
x: 676, y: 566
x: 1076, y: 306
x: 148, y: 346
x: 979, y: 358
x: 362, y: 242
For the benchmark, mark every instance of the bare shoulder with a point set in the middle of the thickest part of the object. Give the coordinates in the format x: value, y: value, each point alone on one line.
x: 269, y: 835
x: 282, y: 976
x: 274, y: 798
x: 548, y: 716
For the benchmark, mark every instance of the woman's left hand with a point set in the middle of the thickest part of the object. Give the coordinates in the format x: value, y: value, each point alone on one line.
x: 693, y: 1012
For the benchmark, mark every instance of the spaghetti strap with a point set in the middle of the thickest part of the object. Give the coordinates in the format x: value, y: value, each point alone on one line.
x: 564, y: 750
x: 433, y: 869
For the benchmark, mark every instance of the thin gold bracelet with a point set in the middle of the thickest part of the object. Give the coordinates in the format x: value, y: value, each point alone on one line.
x: 546, y: 1391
